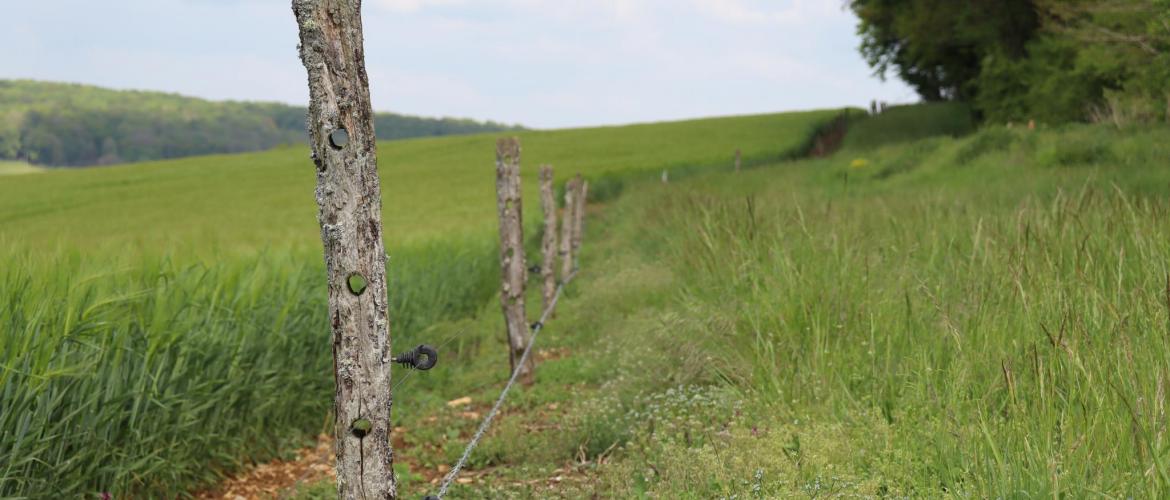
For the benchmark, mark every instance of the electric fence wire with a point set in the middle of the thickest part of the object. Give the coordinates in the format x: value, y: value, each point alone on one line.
x: 487, y: 421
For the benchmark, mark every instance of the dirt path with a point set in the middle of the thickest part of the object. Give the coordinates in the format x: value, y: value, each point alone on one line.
x: 277, y: 479
x: 282, y: 478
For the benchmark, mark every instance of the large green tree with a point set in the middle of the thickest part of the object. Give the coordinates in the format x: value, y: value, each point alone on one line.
x: 1049, y: 60
x: 937, y: 46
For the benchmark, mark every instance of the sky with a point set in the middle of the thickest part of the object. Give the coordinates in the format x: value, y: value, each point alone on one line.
x: 540, y: 63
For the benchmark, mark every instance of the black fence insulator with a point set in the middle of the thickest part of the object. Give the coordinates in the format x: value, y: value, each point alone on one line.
x: 422, y: 357
x: 535, y: 269
x: 538, y: 325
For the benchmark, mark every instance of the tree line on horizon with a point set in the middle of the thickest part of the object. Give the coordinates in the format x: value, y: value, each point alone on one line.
x: 72, y: 125
x: 1015, y: 60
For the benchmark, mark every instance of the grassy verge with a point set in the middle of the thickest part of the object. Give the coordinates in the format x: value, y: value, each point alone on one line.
x: 981, y: 317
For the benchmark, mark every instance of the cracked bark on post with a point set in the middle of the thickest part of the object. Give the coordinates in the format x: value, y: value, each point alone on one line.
x: 514, y: 269
x: 580, y: 197
x: 566, y: 242
x: 548, y: 242
x: 341, y: 133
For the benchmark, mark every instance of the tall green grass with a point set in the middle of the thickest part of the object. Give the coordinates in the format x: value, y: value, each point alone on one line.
x: 149, y: 376
x: 143, y: 376
x: 998, y: 323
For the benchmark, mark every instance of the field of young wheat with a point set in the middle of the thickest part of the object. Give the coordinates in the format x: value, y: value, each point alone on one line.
x: 163, y: 323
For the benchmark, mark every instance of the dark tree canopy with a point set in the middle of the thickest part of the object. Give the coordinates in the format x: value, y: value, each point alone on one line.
x: 1050, y: 60
x: 936, y: 45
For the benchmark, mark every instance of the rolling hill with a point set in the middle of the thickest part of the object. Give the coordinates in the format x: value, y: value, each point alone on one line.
x: 433, y: 188
x: 60, y: 124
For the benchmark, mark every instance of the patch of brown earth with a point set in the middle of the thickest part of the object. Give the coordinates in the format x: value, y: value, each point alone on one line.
x: 275, y: 479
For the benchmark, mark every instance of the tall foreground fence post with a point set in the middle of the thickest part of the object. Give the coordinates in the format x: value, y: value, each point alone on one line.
x: 566, y: 242
x: 341, y: 132
x: 512, y: 263
x: 579, y: 217
x: 548, y: 242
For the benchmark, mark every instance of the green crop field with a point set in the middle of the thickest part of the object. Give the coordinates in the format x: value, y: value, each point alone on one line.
x: 432, y: 188
x: 933, y: 311
x: 135, y: 300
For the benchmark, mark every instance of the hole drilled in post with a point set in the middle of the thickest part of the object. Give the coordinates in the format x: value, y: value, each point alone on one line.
x: 361, y: 427
x: 357, y: 283
x: 338, y: 138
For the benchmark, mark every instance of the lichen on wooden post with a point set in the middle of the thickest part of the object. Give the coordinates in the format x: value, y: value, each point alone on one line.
x: 341, y: 133
x: 514, y: 269
x: 548, y: 241
x: 566, y: 241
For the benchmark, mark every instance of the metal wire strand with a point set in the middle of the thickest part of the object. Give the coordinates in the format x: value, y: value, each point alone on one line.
x: 487, y: 421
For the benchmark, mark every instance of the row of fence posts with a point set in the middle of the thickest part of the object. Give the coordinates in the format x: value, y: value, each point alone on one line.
x: 738, y: 164
x: 556, y: 247
x: 341, y: 131
x: 562, y: 249
x: 559, y: 248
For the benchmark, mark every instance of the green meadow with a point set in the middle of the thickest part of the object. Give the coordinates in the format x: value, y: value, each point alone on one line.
x: 976, y: 316
x: 933, y: 311
x: 162, y: 322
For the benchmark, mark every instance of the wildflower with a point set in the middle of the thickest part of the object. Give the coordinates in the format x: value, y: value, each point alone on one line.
x: 859, y: 163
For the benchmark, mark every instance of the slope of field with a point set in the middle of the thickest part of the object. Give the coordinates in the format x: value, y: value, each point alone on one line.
x: 18, y: 168
x: 982, y: 317
x: 161, y: 324
x: 432, y: 188
x: 908, y: 123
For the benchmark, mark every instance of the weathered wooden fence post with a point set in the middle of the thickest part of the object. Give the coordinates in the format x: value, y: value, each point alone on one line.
x: 512, y: 263
x: 566, y: 242
x: 548, y: 242
x: 580, y: 198
x: 341, y: 132
x: 738, y: 156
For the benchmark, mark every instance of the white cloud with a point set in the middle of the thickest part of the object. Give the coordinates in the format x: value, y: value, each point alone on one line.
x: 415, y: 5
x: 543, y: 63
x: 790, y: 12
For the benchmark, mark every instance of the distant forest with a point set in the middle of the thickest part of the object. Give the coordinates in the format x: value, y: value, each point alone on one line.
x: 71, y: 125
